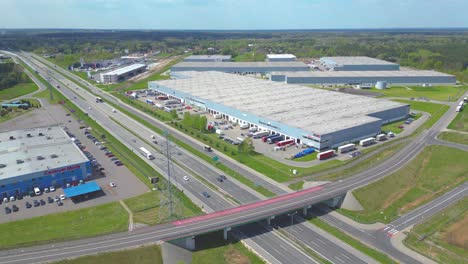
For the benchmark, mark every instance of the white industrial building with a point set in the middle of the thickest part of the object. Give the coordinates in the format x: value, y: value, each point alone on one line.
x: 280, y: 57
x: 315, y: 117
x: 122, y: 73
x: 208, y: 58
x: 39, y: 157
x: 262, y: 67
x: 363, y: 77
x: 359, y: 63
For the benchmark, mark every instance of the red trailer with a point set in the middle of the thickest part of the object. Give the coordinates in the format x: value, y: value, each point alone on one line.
x: 162, y: 97
x: 285, y: 142
x: 326, y: 154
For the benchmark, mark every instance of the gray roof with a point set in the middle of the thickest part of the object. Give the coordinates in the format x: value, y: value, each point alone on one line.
x: 403, y: 73
x: 281, y: 56
x: 55, y: 141
x: 357, y: 60
x: 208, y: 57
x: 233, y: 64
x: 125, y: 69
x: 310, y: 109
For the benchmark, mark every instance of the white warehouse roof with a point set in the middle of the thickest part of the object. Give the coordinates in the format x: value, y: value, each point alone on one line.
x: 214, y: 57
x: 232, y: 64
x: 281, y: 56
x: 126, y: 69
x: 403, y: 73
x: 356, y: 60
x: 302, y: 107
x: 27, y: 149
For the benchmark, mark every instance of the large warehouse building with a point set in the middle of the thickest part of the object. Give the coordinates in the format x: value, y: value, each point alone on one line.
x: 280, y: 57
x: 39, y: 157
x: 207, y: 58
x: 363, y: 77
x: 241, y: 67
x: 122, y: 73
x: 350, y: 63
x: 318, y: 118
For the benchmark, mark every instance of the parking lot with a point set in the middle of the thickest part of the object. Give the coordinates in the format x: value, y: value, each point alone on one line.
x: 127, y: 184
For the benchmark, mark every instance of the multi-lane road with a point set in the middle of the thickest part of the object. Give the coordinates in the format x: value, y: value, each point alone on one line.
x: 329, y: 191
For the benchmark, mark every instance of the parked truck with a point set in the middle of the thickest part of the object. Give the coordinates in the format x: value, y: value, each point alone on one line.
x: 367, y: 142
x: 381, y: 137
x: 217, y: 116
x: 260, y: 134
x: 273, y: 140
x: 162, y: 97
x: 459, y: 108
x: 244, y: 126
x: 146, y: 153
x: 149, y: 101
x: 265, y: 138
x: 326, y: 154
x: 346, y: 148
x: 285, y: 142
x: 304, y: 153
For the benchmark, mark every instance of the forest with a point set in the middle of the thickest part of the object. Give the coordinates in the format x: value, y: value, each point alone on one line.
x: 11, y: 74
x: 443, y: 50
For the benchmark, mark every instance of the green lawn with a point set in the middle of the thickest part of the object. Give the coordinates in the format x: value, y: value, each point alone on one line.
x: 81, y: 223
x: 436, y: 170
x: 394, y: 126
x: 443, y: 236
x: 18, y: 90
x: 213, y: 249
x: 296, y: 186
x: 460, y: 122
x: 141, y: 255
x: 454, y: 137
x: 146, y: 207
x: 373, y: 253
x: 435, y: 110
x: 438, y: 93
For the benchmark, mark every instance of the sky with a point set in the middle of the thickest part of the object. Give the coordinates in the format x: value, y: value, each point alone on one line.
x: 233, y: 14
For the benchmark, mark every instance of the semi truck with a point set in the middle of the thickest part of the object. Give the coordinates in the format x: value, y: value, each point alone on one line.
x: 346, y: 148
x: 146, y: 153
x: 381, y: 137
x: 326, y: 154
x: 285, y: 142
x: 260, y: 134
x: 273, y: 140
x: 367, y: 142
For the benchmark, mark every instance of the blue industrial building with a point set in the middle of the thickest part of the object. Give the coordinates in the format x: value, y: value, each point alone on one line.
x: 318, y: 118
x: 39, y: 157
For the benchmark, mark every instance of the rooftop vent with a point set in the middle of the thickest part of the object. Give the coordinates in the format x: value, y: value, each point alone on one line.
x: 19, y: 161
x: 2, y: 166
x: 41, y: 134
x: 48, y: 137
x: 12, y: 138
x: 53, y: 156
x: 28, y: 135
x: 40, y: 158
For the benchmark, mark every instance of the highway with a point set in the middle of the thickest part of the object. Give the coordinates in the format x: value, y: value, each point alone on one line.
x: 101, y: 112
x: 306, y: 198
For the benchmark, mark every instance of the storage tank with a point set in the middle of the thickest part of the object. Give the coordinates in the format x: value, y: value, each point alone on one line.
x: 381, y: 85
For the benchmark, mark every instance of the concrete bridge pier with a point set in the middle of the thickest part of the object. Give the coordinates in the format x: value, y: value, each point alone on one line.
x: 304, y: 210
x: 335, y: 202
x: 269, y: 219
x: 225, y: 232
x: 187, y: 243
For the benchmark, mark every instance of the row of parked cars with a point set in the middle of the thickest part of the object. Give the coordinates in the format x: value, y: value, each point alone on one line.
x: 99, y: 144
x: 37, y: 203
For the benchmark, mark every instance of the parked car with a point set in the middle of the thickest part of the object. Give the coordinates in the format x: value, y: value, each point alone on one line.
x: 56, y: 199
x: 42, y: 202
x: 186, y: 178
x: 207, y: 195
x: 15, y: 208
x: 36, y: 203
x: 7, y: 210
x: 28, y: 205
x: 59, y: 203
x: 63, y: 197
x: 12, y: 199
x: 112, y: 184
x: 50, y: 200
x: 46, y: 190
x: 114, y: 158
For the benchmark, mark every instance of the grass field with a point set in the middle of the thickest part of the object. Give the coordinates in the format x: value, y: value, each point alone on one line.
x: 436, y: 170
x: 438, y: 93
x: 394, y: 126
x: 81, y: 223
x: 142, y: 255
x: 435, y: 110
x: 146, y: 208
x: 373, y: 253
x: 454, y: 137
x: 460, y: 122
x: 212, y: 249
x: 18, y: 90
x: 296, y: 186
x: 443, y: 236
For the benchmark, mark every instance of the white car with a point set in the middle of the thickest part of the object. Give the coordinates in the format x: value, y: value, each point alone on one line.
x: 52, y: 188
x: 114, y: 111
x: 5, y: 200
x: 63, y: 197
x: 12, y: 198
x: 46, y: 190
x: 112, y: 184
x: 186, y: 178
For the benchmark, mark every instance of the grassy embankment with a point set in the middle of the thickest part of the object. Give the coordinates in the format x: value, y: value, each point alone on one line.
x: 436, y: 170
x: 18, y: 90
x: 438, y: 93
x: 460, y: 122
x: 454, y: 137
x: 443, y: 236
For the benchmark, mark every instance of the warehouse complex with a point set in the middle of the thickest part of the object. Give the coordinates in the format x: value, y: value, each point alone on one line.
x: 350, y: 63
x: 122, y: 73
x: 280, y: 57
x: 363, y: 77
x: 39, y: 157
x: 241, y: 67
x: 207, y: 58
x: 318, y: 118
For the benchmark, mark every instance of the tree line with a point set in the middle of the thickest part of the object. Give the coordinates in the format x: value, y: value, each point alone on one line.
x: 11, y: 74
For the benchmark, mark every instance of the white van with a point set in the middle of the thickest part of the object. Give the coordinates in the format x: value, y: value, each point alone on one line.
x: 244, y: 126
x: 37, y: 191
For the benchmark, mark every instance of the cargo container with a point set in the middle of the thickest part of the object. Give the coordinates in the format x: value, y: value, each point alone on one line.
x: 381, y: 137
x: 367, y: 142
x: 260, y: 134
x: 326, y: 154
x: 149, y: 101
x: 146, y: 153
x: 304, y: 153
x: 171, y: 102
x: 162, y: 97
x: 244, y: 126
x: 346, y: 148
x: 285, y: 142
x: 275, y: 139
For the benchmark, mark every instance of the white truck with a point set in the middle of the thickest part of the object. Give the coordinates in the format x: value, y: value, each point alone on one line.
x: 381, y: 137
x: 244, y: 126
x: 146, y: 153
x: 367, y: 142
x: 217, y: 116
x: 346, y: 148
x: 260, y: 134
